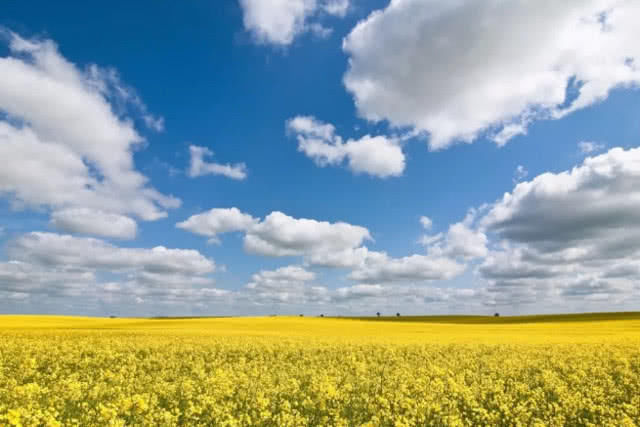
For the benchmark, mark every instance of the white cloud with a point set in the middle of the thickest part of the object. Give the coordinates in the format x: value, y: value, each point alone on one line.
x: 91, y: 221
x: 281, y: 235
x: 378, y: 156
x: 367, y: 298
x: 589, y: 147
x: 320, y: 31
x: 569, y: 235
x: 216, y: 221
x: 291, y: 273
x: 461, y: 240
x: 292, y: 288
x: 83, y: 252
x: 199, y: 167
x: 48, y: 265
x: 279, y: 22
x: 78, y: 154
x: 379, y: 267
x: 462, y: 69
x: 344, y: 258
x: 605, y: 188
x: 285, y: 285
x: 28, y: 279
x: 336, y: 7
x: 430, y: 239
x: 124, y: 98
x: 340, y: 245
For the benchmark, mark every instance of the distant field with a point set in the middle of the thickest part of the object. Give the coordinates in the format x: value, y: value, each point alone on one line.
x: 424, y: 370
x: 491, y: 320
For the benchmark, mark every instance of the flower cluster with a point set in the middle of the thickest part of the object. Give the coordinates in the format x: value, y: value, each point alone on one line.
x: 208, y: 373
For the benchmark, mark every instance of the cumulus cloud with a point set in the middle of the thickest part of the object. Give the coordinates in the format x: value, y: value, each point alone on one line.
x: 95, y: 222
x: 279, y: 22
x: 216, y: 221
x: 465, y: 242
x: 379, y: 267
x: 199, y: 167
x: 543, y: 209
x: 28, y: 279
x: 379, y: 156
x: 464, y: 69
x: 461, y: 240
x: 293, y: 288
x: 281, y: 235
x: 347, y: 257
x: 278, y: 234
x: 77, y: 156
x: 84, y: 252
x: 568, y: 234
x: 366, y: 297
x: 341, y: 245
x: 173, y: 290
x: 288, y: 284
x: 94, y: 272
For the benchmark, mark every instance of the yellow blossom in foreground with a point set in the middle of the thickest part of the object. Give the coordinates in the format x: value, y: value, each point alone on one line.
x: 303, y: 371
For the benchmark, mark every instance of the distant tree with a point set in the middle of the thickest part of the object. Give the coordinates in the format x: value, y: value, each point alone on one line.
x: 397, y: 314
x: 496, y: 315
x: 302, y: 315
x: 112, y: 317
x: 378, y: 314
x: 322, y: 315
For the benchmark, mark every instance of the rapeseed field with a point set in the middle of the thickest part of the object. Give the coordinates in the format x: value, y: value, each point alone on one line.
x: 290, y: 371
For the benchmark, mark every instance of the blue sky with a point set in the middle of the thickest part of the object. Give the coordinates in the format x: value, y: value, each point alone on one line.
x: 326, y: 129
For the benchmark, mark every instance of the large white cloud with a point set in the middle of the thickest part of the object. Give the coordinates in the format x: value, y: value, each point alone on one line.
x: 217, y: 220
x: 26, y: 278
x: 290, y: 284
x: 186, y: 292
x: 96, y: 222
x: 461, y: 68
x: 292, y: 289
x: 84, y: 252
x: 94, y: 273
x: 281, y: 235
x: 573, y: 234
x: 199, y: 167
x: 341, y: 245
x: 279, y: 22
x: 462, y: 239
x: 378, y: 156
x: 378, y: 267
x: 366, y: 297
x: 64, y: 144
x: 600, y: 199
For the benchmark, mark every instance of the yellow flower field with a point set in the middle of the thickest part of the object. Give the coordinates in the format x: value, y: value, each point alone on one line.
x: 290, y: 371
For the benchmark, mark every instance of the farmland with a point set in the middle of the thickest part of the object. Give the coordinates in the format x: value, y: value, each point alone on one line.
x: 466, y: 370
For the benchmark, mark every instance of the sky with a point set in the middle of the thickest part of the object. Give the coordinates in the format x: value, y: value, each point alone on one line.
x: 337, y: 157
